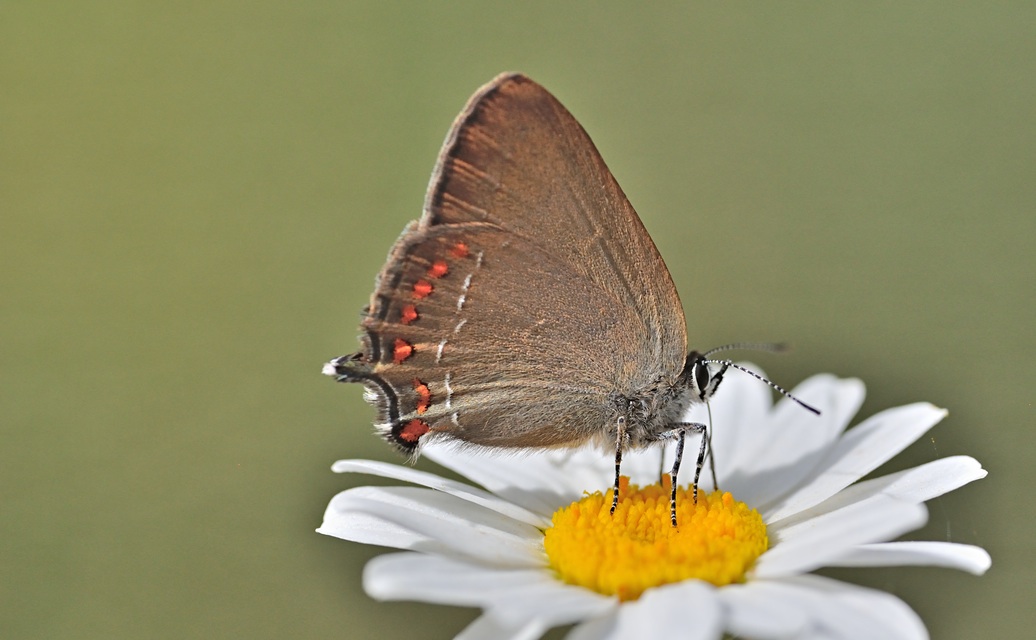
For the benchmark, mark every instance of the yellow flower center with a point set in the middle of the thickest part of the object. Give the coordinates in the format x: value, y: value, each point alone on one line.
x: 636, y: 548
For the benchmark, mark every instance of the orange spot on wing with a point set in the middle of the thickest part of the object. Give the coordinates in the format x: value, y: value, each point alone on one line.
x: 424, y: 396
x: 413, y: 430
x: 460, y: 250
x: 438, y: 269
x: 408, y: 314
x: 401, y: 350
x: 422, y: 289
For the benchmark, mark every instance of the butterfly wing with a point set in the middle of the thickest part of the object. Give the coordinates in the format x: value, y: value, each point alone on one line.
x: 527, y: 298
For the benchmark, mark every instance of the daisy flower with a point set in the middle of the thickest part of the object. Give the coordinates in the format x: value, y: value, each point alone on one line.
x: 534, y: 546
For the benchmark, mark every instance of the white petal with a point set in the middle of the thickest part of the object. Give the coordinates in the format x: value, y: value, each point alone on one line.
x: 739, y: 409
x: 485, y: 627
x: 812, y: 544
x: 527, y: 478
x: 512, y: 597
x: 860, y: 451
x: 432, y: 481
x: 927, y: 481
x: 842, y: 610
x: 593, y: 469
x: 964, y: 557
x: 761, y: 609
x: 440, y: 580
x: 585, y: 468
x: 793, y: 432
x: 792, y: 442
x: 645, y: 466
x: 553, y: 603
x: 342, y: 521
x: 688, y: 610
x: 919, y: 484
x: 436, y: 523
x: 663, y: 610
x: 595, y: 628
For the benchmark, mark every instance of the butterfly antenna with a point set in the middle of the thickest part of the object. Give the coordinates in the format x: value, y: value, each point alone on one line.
x: 769, y: 347
x: 773, y: 385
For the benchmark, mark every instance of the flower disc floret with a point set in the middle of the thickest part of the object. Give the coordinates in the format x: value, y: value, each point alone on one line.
x: 623, y: 554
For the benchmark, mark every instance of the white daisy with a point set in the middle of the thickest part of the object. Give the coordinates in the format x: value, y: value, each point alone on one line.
x: 534, y: 550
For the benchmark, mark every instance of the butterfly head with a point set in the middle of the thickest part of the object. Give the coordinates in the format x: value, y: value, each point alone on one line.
x: 702, y: 376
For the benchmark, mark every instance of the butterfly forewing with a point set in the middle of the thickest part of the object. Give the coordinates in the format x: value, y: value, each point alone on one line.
x: 516, y: 158
x: 504, y: 316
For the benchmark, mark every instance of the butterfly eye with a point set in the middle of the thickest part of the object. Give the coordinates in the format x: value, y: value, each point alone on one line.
x: 702, y: 378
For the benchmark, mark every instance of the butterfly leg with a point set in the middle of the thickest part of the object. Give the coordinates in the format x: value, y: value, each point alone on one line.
x: 672, y: 475
x: 679, y: 433
x: 620, y: 440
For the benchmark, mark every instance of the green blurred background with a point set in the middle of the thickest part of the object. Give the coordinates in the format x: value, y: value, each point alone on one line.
x: 194, y: 200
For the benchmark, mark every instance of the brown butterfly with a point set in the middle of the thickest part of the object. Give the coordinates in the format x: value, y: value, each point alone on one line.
x: 528, y: 307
